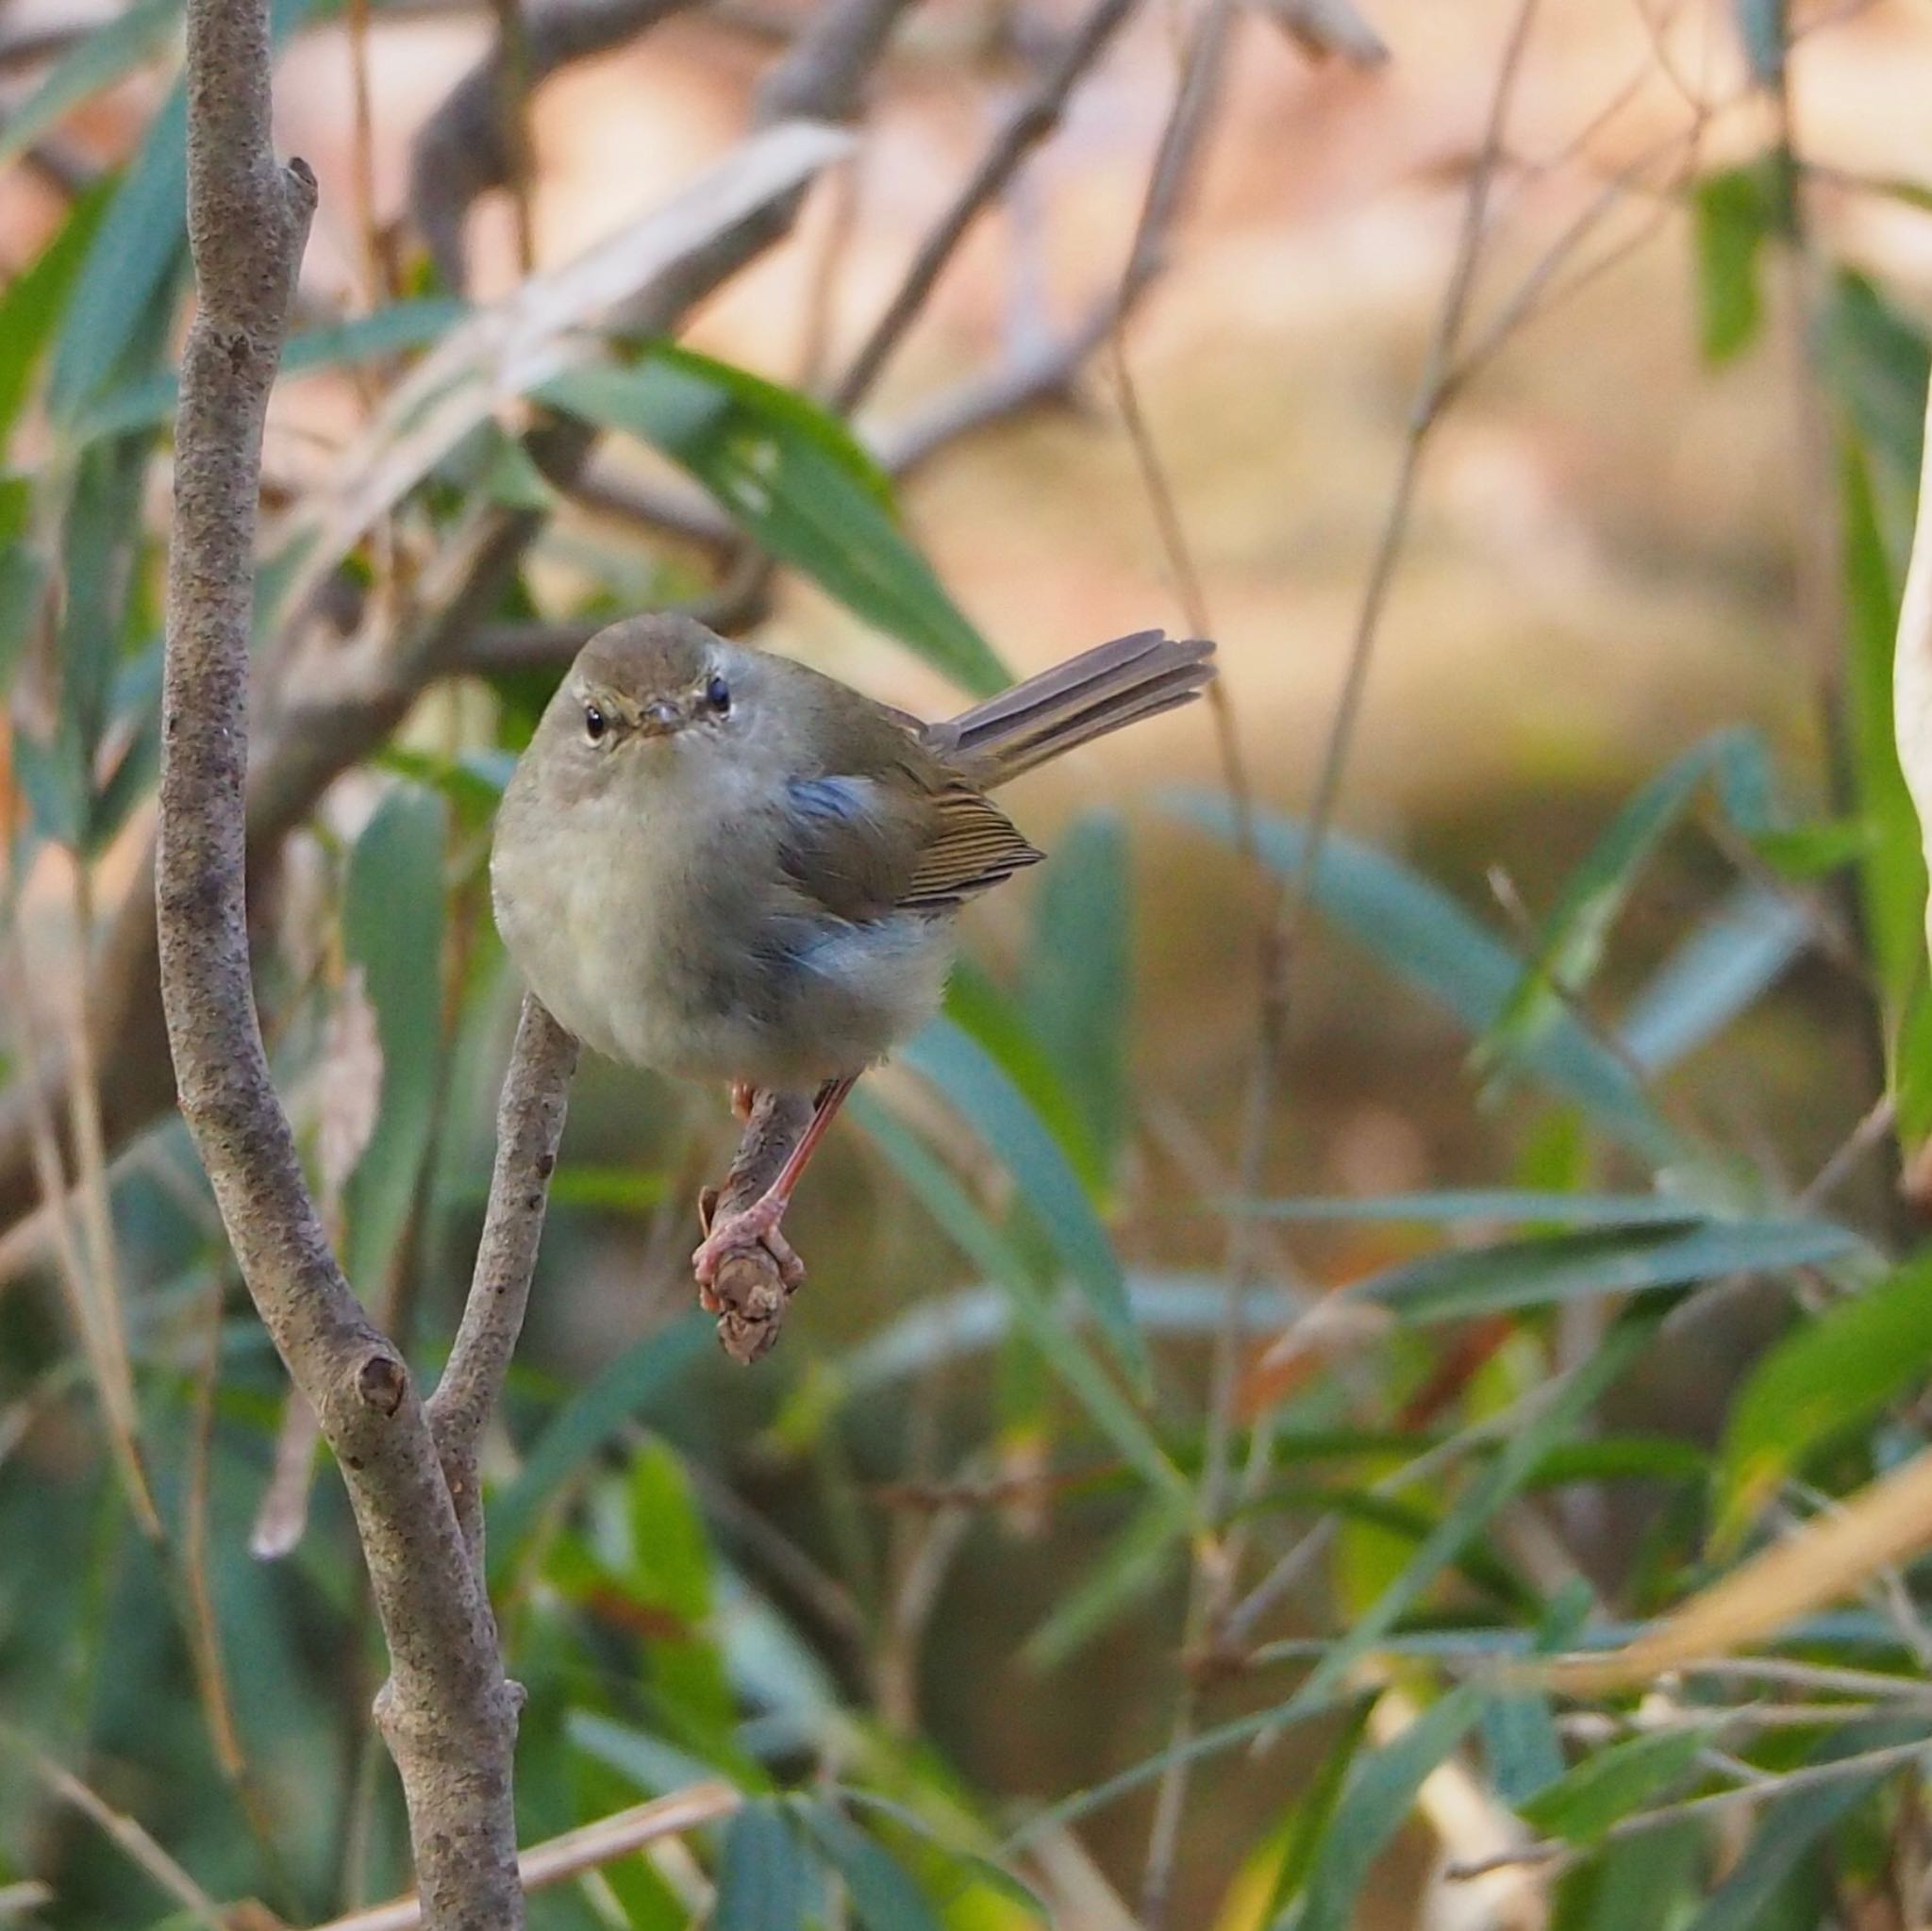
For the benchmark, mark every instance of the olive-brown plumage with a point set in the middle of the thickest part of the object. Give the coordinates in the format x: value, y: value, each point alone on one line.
x: 724, y: 865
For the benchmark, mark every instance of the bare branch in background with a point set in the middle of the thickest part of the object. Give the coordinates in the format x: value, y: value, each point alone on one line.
x: 1028, y: 125
x: 470, y: 145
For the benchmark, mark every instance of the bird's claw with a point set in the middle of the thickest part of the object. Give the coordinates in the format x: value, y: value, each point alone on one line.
x: 757, y: 1226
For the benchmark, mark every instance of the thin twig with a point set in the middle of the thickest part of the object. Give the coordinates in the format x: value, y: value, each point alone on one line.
x: 1030, y: 123
x: 586, y: 1848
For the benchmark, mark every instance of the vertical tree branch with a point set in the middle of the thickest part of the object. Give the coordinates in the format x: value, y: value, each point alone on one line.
x: 447, y: 1712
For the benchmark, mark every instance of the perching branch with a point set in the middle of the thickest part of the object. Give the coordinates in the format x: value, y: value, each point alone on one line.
x: 447, y: 1712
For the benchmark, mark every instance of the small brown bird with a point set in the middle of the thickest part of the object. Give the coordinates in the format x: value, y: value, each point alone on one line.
x: 720, y: 864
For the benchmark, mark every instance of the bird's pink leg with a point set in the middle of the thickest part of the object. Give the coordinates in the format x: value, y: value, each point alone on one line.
x: 758, y: 1225
x: 744, y: 1096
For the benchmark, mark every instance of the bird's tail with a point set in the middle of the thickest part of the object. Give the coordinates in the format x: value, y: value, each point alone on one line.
x: 1098, y: 692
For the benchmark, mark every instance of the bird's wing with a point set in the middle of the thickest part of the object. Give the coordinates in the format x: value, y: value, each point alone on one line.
x: 863, y: 847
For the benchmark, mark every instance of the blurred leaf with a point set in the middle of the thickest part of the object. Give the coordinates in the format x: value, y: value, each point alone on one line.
x: 764, y: 1874
x: 1732, y: 215
x: 971, y: 1865
x: 1521, y: 1745
x: 141, y: 244
x: 1312, y: 1820
x: 1505, y: 1204
x: 53, y: 780
x: 1815, y: 850
x: 884, y: 1898
x: 392, y: 912
x: 1877, y: 359
x: 1117, y: 1417
x: 1642, y: 1883
x: 1621, y: 1261
x: 985, y: 1011
x: 34, y: 298
x: 1828, y: 1375
x: 1574, y: 935
x: 388, y: 331
x: 970, y: 1081
x: 809, y: 497
x: 651, y: 1764
x: 1135, y: 1562
x: 1611, y: 1783
x: 1763, y: 29
x: 626, y: 1390
x: 97, y: 553
x: 1374, y: 1803
x: 1567, y: 1400
x: 1790, y: 1827
x: 1733, y: 956
x: 1078, y: 975
x: 671, y: 1571
x: 92, y: 64
x: 1426, y: 938
x: 22, y: 586
x: 1891, y: 875
x: 607, y: 1189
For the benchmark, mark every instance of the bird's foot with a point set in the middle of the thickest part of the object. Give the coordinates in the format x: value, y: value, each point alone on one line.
x: 744, y: 1096
x: 757, y: 1226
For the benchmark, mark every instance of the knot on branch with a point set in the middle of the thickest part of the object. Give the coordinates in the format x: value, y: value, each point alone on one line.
x: 382, y: 1381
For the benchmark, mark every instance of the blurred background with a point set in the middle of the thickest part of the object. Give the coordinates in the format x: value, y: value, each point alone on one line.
x: 1528, y: 401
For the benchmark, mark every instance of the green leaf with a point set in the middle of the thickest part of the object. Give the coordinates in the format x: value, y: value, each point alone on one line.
x: 1502, y: 1204
x: 884, y: 1898
x: 1427, y: 939
x: 1816, y: 850
x: 1876, y: 357
x: 94, y: 61
x: 1578, y: 929
x: 1790, y: 1827
x: 1374, y: 1804
x: 22, y: 584
x: 388, y: 331
x: 1568, y: 1401
x: 1135, y: 1563
x: 1312, y: 1819
x: 1724, y: 966
x: 35, y: 298
x: 1826, y: 1376
x: 979, y: 1090
x: 807, y: 495
x: 1642, y: 1883
x: 1891, y: 874
x: 1520, y: 1745
x: 764, y: 1873
x: 1763, y: 25
x: 1617, y: 1261
x: 1117, y: 1417
x: 393, y: 928
x: 1611, y: 1783
x: 629, y: 1390
x: 1078, y: 975
x: 1733, y: 214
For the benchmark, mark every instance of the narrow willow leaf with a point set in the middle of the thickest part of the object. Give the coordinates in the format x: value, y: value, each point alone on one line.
x: 1791, y: 1829
x: 809, y: 498
x: 1612, y: 1783
x: 1077, y: 971
x: 1498, y: 1204
x: 631, y: 1389
x: 883, y: 1897
x: 94, y: 61
x: 1722, y: 968
x: 1577, y: 930
x: 35, y: 298
x: 393, y: 928
x: 1828, y: 1375
x: 1144, y: 1554
x: 974, y: 1085
x: 1732, y: 218
x: 1615, y: 1261
x: 1425, y: 937
x: 1111, y: 1412
x: 1374, y: 1803
x: 764, y: 1873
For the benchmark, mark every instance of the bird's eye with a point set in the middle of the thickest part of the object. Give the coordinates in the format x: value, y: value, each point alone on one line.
x: 595, y: 722
x: 718, y: 695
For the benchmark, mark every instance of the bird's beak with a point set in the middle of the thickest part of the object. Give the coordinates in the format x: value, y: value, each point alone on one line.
x: 661, y: 717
